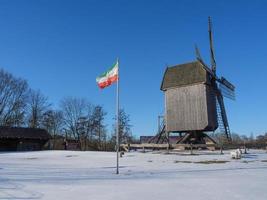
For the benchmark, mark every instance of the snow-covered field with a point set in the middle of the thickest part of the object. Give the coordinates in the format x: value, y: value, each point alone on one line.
x: 69, y: 175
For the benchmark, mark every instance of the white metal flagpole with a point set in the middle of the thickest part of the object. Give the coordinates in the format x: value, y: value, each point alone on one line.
x: 117, y: 120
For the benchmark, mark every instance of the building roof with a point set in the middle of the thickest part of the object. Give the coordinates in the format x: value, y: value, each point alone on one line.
x: 23, y: 133
x: 184, y: 74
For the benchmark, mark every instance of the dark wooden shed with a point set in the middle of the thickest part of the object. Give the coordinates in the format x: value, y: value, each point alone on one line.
x: 22, y: 139
x: 190, y: 103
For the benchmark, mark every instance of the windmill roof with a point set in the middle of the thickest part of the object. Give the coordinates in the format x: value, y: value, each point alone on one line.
x: 24, y: 133
x: 184, y: 74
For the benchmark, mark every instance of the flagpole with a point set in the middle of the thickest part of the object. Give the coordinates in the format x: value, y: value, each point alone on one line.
x: 117, y: 120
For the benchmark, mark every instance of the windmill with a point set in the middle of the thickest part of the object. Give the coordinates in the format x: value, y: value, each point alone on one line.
x: 222, y: 87
x: 194, y: 100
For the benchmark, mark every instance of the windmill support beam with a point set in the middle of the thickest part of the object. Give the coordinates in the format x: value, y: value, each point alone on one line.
x: 196, y: 137
x: 128, y: 147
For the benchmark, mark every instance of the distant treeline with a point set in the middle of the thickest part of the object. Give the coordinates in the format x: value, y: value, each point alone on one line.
x: 238, y: 140
x: 76, y: 119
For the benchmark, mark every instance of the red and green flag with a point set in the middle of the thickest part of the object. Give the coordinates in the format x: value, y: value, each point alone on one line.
x: 109, y: 77
x: 105, y: 80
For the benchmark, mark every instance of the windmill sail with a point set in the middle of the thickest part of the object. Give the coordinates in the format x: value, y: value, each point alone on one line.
x: 227, y: 89
x: 199, y: 58
x: 224, y: 89
x: 212, y: 57
x: 197, y: 53
x: 226, y: 92
x: 227, y: 83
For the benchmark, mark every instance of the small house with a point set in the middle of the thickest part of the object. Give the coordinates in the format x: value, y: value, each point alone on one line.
x: 22, y: 139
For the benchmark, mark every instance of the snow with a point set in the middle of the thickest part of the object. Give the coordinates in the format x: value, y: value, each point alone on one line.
x: 72, y: 175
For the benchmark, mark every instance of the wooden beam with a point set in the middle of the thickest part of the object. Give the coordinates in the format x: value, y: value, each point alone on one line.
x: 165, y: 146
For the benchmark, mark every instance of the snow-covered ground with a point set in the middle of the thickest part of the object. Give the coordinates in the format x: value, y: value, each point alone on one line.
x: 69, y: 175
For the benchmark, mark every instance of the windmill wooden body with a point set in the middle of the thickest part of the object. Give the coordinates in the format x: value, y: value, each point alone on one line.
x: 194, y: 100
x: 189, y: 98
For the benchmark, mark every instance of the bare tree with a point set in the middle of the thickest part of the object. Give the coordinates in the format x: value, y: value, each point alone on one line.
x: 125, y: 132
x: 13, y: 98
x: 262, y: 139
x: 99, y: 127
x: 52, y: 122
x: 85, y: 129
x: 76, y: 113
x: 38, y: 105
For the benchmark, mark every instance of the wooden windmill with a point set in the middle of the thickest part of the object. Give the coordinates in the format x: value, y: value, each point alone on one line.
x: 194, y: 101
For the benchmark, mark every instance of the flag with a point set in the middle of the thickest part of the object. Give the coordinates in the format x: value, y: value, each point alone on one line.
x: 109, y: 77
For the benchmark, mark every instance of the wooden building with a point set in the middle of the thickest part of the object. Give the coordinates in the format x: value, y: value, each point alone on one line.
x: 22, y: 139
x: 190, y: 103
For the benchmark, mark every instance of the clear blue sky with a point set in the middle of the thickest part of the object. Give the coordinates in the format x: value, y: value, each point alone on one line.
x: 61, y: 46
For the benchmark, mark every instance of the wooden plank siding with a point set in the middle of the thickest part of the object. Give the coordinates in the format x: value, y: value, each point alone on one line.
x: 190, y: 108
x: 212, y: 111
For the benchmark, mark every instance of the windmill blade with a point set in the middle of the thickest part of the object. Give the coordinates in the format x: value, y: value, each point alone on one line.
x: 222, y: 113
x: 212, y: 57
x: 227, y: 88
x: 198, y: 56
x: 226, y: 92
x: 227, y: 84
